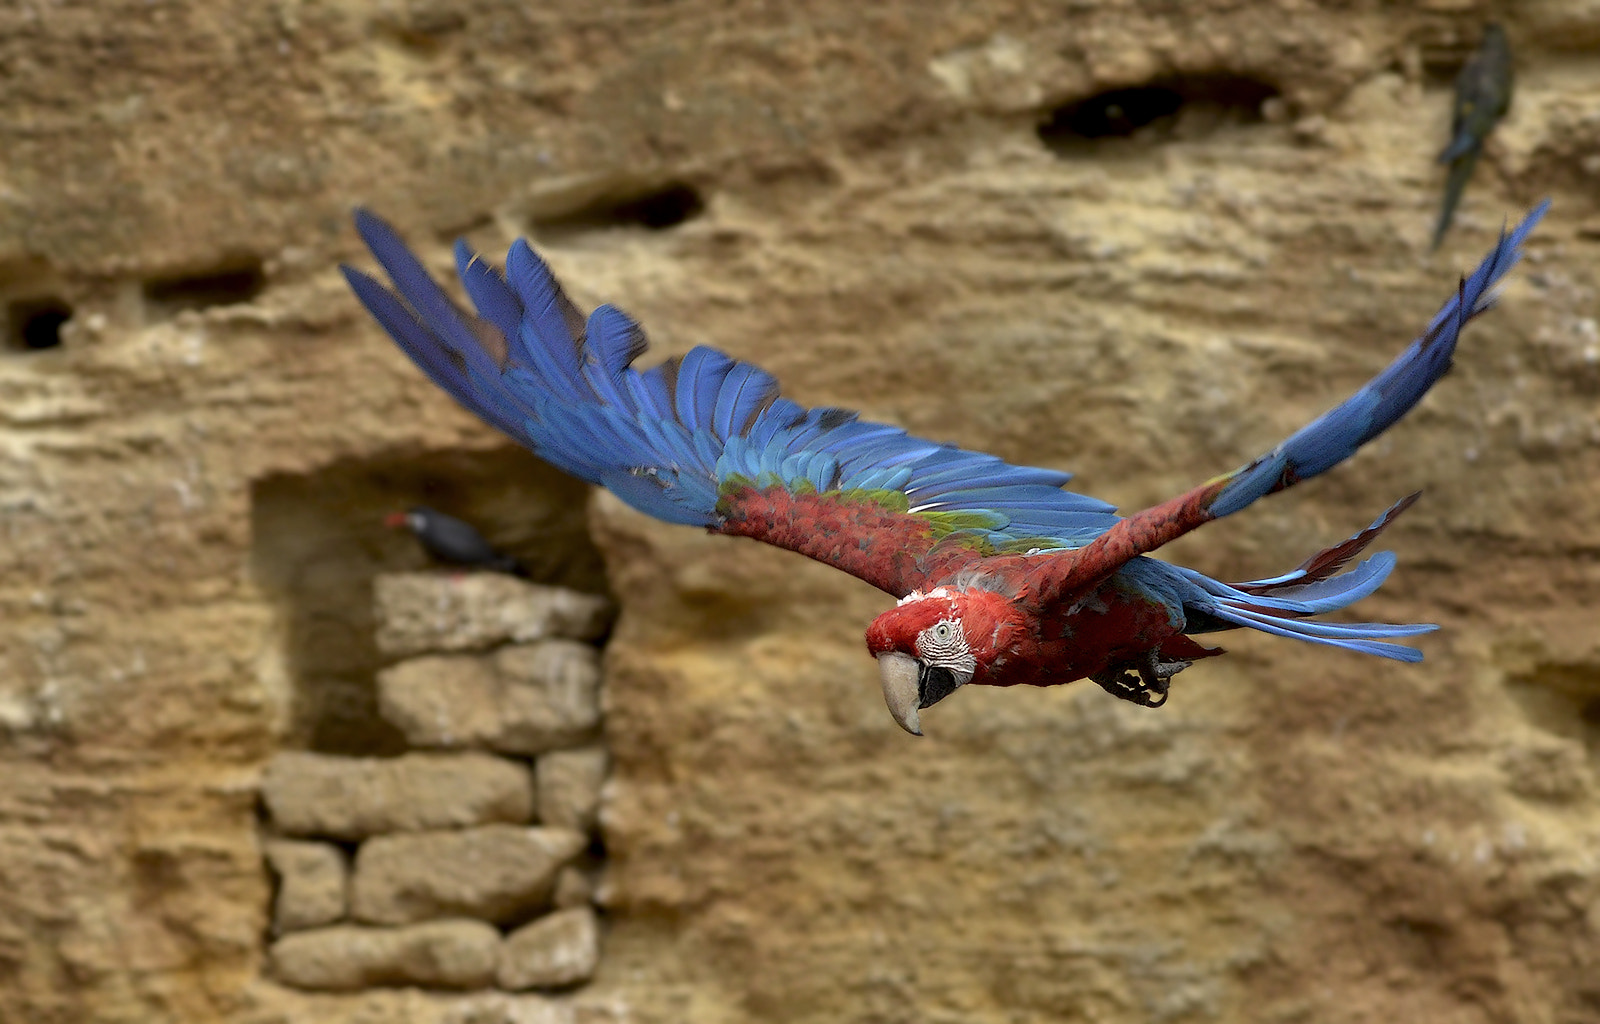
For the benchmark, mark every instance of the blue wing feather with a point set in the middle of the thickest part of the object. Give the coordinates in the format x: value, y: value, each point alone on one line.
x: 666, y: 439
x: 1335, y: 436
x: 548, y: 319
x: 494, y: 299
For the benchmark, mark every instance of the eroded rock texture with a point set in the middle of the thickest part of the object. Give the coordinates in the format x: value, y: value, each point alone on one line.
x: 926, y: 210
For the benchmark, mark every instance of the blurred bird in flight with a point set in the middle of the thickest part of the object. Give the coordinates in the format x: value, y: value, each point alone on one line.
x: 1483, y: 95
x: 452, y: 541
x: 1002, y: 576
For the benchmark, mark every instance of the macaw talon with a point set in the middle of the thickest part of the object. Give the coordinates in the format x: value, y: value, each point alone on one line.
x: 1145, y: 682
x: 1124, y: 682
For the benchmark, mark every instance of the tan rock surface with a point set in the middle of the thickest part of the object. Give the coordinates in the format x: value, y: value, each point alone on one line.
x: 497, y: 873
x: 574, y: 888
x: 189, y: 498
x: 313, y: 880
x: 551, y: 697
x: 352, y: 798
x: 422, y: 1006
x: 431, y: 611
x: 522, y: 699
x: 569, y: 784
x: 439, y: 954
x: 556, y: 951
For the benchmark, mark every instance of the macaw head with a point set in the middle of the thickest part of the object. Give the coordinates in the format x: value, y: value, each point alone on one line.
x: 932, y: 644
x: 414, y: 519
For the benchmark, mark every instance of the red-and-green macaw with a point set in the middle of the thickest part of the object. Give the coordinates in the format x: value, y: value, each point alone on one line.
x: 1003, y: 577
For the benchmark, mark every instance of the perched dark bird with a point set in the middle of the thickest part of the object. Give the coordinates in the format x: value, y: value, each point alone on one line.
x: 1483, y: 94
x: 453, y: 541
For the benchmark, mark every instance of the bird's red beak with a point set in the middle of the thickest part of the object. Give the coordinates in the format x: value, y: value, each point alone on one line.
x: 395, y: 520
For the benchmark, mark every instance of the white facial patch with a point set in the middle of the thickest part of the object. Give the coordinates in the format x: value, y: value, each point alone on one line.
x: 944, y: 645
x: 936, y: 594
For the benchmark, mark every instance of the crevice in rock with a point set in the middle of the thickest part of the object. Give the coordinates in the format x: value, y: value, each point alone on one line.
x: 34, y: 324
x: 656, y: 209
x: 423, y: 28
x: 34, y: 305
x: 319, y: 540
x: 1563, y: 699
x: 1172, y: 106
x: 226, y: 285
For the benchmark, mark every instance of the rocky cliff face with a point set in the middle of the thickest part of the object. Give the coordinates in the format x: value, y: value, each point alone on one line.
x: 928, y: 211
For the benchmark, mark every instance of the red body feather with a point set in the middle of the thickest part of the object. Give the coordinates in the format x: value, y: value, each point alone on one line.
x: 1036, y: 620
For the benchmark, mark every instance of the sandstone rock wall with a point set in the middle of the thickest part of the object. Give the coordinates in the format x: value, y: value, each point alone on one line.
x: 859, y: 197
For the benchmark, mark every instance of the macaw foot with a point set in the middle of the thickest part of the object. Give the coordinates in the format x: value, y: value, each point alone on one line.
x: 1144, y: 682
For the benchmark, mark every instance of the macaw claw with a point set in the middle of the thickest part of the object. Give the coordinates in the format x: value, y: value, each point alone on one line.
x: 1144, y: 682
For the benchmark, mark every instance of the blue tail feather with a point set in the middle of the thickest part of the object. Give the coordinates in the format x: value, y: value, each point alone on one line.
x: 1282, y: 605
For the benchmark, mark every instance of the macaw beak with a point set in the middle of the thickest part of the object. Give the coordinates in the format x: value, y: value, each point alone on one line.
x: 899, y: 673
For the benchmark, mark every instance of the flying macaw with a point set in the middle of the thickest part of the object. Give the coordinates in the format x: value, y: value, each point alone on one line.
x: 1002, y: 576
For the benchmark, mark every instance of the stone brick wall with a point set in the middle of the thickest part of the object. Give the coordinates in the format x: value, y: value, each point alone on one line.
x: 469, y: 862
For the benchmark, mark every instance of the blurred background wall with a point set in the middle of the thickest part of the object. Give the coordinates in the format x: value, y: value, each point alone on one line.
x: 930, y: 211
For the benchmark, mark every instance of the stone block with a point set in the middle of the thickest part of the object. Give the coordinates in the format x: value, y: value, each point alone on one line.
x: 553, y: 952
x: 523, y: 699
x: 312, y: 879
x: 552, y: 695
x: 497, y: 873
x: 352, y: 798
x: 422, y: 612
x: 569, y: 784
x: 443, y: 700
x: 426, y: 1006
x: 574, y: 888
x: 438, y: 954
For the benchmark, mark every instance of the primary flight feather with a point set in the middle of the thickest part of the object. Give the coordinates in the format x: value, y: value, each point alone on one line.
x: 1003, y: 577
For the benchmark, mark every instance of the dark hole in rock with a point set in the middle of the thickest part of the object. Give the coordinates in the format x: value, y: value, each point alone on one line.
x: 1184, y: 105
x: 33, y: 325
x: 223, y: 287
x: 657, y: 210
x: 319, y: 539
x: 1562, y: 698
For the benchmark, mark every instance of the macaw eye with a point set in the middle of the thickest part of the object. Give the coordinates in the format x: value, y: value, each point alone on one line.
x: 942, y: 631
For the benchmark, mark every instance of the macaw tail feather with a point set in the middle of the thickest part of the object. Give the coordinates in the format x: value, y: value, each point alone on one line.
x: 1282, y: 604
x: 1455, y: 185
x: 1335, y: 436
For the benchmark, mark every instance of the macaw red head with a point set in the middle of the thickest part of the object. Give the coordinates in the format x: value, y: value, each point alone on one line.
x: 931, y: 644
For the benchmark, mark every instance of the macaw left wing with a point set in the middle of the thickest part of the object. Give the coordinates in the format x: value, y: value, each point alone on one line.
x: 1315, y: 448
x: 706, y: 440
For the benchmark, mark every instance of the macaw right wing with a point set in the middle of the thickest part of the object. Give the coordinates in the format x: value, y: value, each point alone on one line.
x: 1315, y: 448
